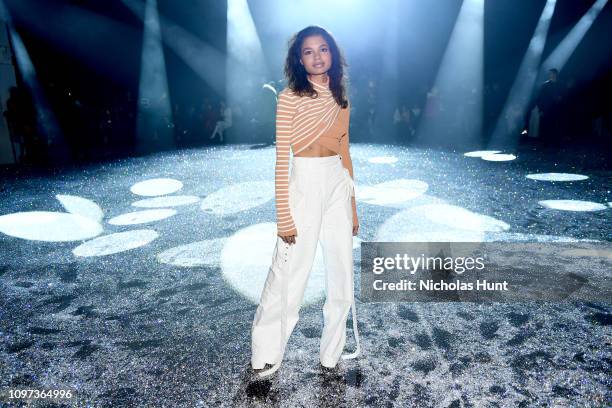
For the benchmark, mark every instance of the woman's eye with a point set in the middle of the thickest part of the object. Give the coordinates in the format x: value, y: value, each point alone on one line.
x: 324, y: 49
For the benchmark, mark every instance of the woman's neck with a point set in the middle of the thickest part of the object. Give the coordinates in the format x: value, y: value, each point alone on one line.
x: 321, y: 79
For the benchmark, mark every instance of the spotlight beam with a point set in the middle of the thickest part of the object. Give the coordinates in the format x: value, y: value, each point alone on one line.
x: 46, y: 119
x: 511, y: 117
x: 460, y: 82
x: 201, y: 57
x: 568, y: 45
x: 154, y: 112
x: 246, y: 69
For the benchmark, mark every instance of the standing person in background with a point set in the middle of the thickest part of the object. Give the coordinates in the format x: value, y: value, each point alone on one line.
x: 548, y: 101
x: 208, y: 116
x: 224, y: 124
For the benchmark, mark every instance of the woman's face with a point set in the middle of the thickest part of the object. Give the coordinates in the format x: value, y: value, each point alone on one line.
x: 315, y: 55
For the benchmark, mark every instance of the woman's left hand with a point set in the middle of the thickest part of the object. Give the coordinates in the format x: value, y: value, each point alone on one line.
x: 355, y: 229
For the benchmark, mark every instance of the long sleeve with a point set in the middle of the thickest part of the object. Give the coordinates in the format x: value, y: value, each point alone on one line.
x: 345, y: 154
x: 285, y: 110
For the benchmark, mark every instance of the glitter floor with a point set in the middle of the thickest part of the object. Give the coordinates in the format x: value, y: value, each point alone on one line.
x: 135, y: 282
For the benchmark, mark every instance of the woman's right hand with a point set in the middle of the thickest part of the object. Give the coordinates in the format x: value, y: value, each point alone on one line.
x: 289, y: 239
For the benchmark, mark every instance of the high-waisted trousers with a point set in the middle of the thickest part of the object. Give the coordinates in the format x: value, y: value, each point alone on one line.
x: 320, y: 190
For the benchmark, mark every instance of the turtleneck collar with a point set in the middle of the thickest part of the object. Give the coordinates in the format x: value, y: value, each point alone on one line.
x: 318, y: 86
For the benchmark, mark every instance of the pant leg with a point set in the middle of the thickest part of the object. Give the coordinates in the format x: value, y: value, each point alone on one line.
x: 215, y: 130
x: 291, y: 266
x: 336, y: 239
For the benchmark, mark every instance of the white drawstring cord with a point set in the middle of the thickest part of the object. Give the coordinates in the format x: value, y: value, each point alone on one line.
x: 356, y: 333
x: 357, y: 348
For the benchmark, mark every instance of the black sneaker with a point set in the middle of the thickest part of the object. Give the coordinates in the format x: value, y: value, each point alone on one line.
x: 266, y: 367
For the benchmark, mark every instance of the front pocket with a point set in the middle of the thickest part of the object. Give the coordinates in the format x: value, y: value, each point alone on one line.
x: 298, y: 206
x: 294, y: 196
x: 349, y: 181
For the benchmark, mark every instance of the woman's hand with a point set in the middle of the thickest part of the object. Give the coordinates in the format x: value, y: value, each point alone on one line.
x: 289, y: 239
x: 355, y: 229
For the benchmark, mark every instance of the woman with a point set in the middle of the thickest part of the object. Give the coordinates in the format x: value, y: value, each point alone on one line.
x: 223, y: 124
x: 315, y: 203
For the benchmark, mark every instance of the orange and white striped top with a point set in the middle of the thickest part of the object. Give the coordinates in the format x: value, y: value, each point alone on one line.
x: 301, y: 121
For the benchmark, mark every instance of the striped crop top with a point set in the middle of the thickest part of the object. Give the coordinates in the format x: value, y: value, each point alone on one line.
x: 301, y: 121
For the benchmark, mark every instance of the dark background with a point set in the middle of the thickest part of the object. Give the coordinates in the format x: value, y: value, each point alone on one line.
x: 92, y: 50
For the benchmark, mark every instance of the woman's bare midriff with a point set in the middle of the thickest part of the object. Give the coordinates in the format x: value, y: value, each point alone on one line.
x: 316, y: 150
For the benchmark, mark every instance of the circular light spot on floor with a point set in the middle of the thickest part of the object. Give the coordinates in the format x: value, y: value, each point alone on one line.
x: 383, y: 159
x: 522, y: 237
x: 411, y: 225
x: 156, y: 187
x: 460, y: 218
x: 168, y: 201
x: 115, y: 243
x: 498, y: 157
x: 589, y: 252
x: 437, y: 223
x: 49, y: 226
x: 81, y: 206
x: 479, y: 153
x: 142, y: 217
x: 437, y: 236
x: 556, y: 177
x: 572, y: 205
x: 246, y: 259
x: 391, y: 192
x: 202, y: 253
x: 238, y: 197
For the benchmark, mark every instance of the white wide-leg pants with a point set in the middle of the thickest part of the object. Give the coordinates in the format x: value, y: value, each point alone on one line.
x: 320, y: 191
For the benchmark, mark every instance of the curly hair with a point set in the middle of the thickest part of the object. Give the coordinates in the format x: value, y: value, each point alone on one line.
x: 295, y: 73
